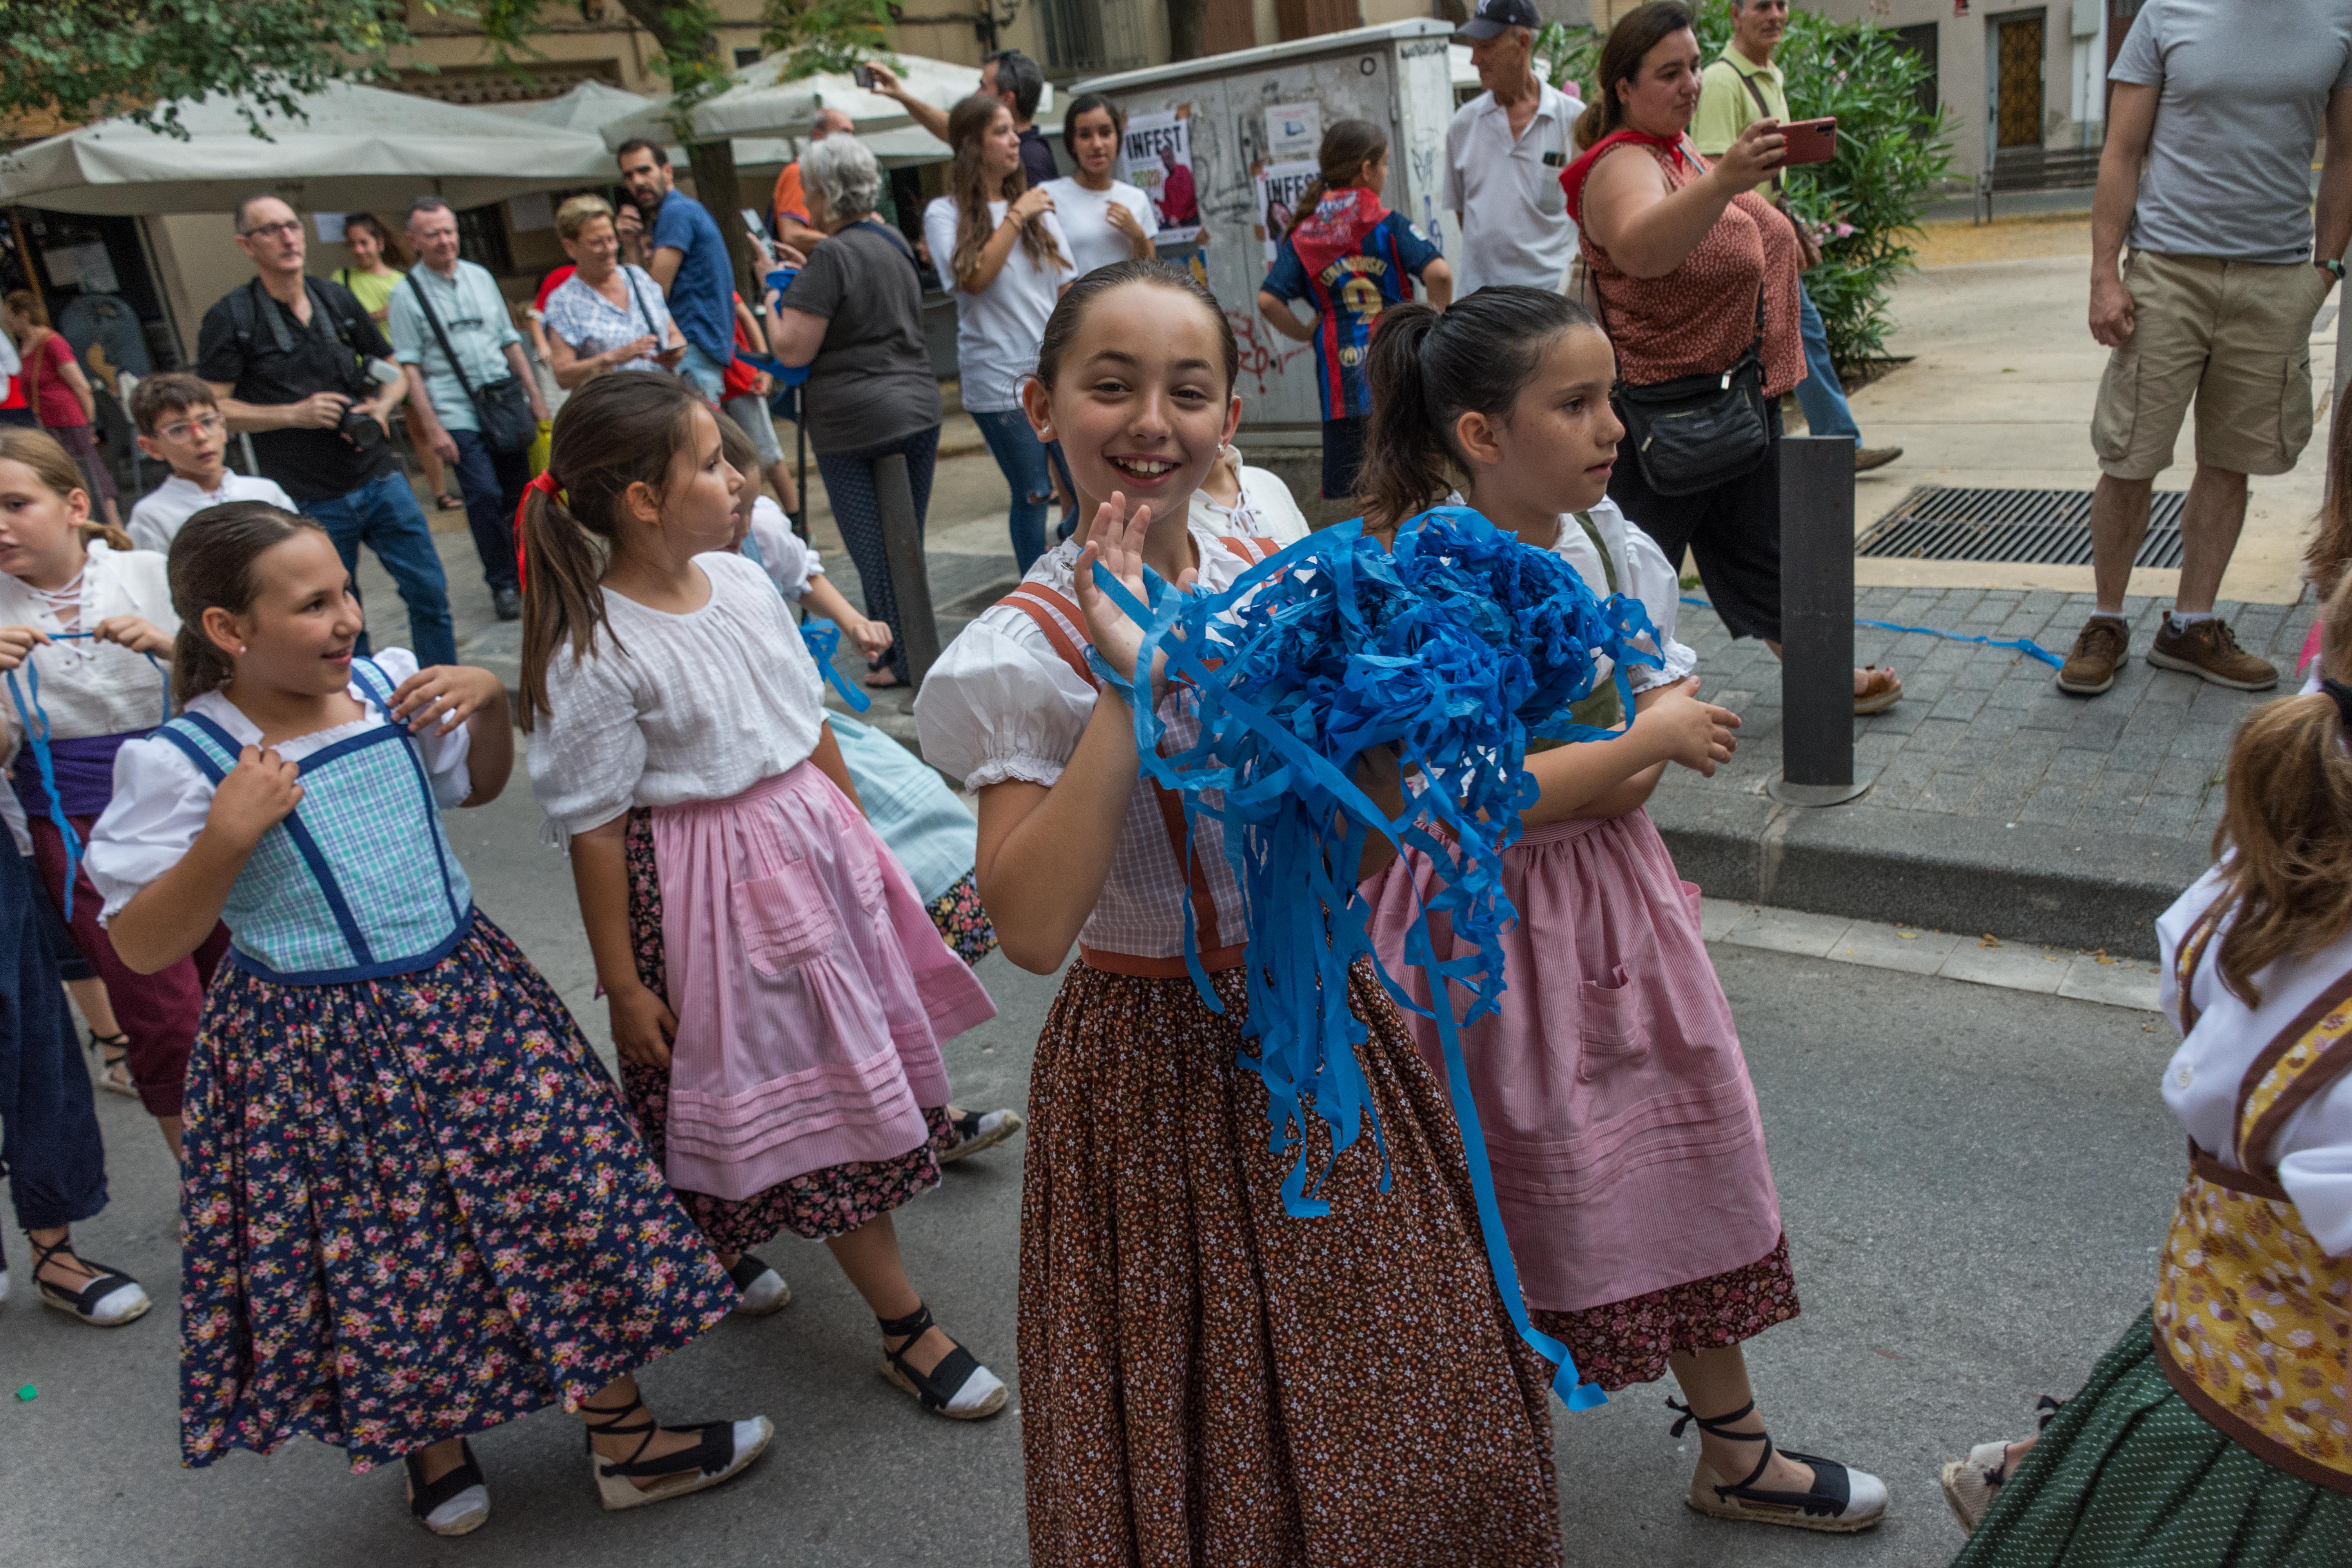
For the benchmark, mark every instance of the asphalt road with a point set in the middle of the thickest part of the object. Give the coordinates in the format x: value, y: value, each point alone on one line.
x: 1974, y: 1183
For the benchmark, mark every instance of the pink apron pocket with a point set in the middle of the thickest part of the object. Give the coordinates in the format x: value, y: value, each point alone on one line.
x: 1612, y: 1048
x: 783, y: 919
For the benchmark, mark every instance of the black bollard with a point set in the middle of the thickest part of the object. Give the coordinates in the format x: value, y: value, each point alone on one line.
x: 1816, y: 623
x: 911, y: 583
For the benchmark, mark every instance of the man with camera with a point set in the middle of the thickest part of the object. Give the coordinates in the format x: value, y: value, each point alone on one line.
x: 297, y: 361
x: 468, y: 386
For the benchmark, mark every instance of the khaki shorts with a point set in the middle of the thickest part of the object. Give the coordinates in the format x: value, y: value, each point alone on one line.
x: 2234, y: 336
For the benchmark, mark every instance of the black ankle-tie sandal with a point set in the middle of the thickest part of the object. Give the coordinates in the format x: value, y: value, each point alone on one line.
x: 958, y: 1388
x: 1841, y: 1500
x: 456, y: 1504
x: 113, y: 1062
x: 723, y: 1450
x: 979, y: 1130
x: 109, y: 1301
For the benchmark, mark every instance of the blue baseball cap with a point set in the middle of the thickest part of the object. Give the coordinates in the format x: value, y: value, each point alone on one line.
x: 1495, y: 17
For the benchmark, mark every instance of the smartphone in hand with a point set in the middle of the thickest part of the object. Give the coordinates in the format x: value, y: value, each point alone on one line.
x: 1809, y: 140
x: 863, y: 74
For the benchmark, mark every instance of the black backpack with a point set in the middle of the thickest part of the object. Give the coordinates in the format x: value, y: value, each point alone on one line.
x: 245, y: 315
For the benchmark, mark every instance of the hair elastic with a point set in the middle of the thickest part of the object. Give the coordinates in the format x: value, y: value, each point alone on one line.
x: 2342, y: 695
x: 544, y: 482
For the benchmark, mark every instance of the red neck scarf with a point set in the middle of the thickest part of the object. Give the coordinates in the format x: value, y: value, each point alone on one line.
x: 1336, y: 226
x: 1572, y: 178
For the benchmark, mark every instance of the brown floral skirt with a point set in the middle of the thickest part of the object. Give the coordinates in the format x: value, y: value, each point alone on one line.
x: 818, y: 1204
x: 1628, y: 1342
x: 1209, y: 1383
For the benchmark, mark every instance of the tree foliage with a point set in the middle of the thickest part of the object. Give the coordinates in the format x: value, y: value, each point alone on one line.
x: 823, y: 36
x: 1864, y: 204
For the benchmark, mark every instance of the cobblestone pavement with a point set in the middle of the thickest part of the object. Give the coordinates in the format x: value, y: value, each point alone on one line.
x: 1985, y: 732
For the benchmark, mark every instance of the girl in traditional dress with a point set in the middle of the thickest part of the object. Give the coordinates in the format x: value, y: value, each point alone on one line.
x: 1622, y: 1129
x: 778, y: 995
x: 1207, y: 1380
x: 412, y: 1206
x: 2217, y: 1430
x: 81, y: 612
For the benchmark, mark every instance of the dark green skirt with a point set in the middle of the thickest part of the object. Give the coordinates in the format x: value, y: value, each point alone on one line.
x: 2129, y: 1475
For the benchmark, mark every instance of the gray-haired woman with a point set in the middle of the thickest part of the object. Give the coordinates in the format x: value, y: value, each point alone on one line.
x: 855, y: 316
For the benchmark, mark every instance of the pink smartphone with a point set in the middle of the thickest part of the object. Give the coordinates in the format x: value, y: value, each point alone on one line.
x: 1809, y: 140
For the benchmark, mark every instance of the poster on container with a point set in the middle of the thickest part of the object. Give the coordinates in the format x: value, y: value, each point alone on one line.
x: 1158, y: 154
x: 1280, y: 187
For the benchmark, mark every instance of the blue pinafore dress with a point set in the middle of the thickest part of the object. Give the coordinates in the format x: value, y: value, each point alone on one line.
x: 411, y: 1206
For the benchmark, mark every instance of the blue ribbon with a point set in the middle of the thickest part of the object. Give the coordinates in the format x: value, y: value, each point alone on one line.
x: 1451, y: 651
x: 824, y: 640
x: 2026, y: 646
x: 36, y: 721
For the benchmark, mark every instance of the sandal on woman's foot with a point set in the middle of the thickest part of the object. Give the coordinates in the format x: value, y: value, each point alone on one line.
x: 958, y: 1388
x: 456, y: 1504
x: 1839, y: 1501
x: 448, y: 503
x: 114, y: 1063
x: 979, y: 1130
x: 761, y: 1291
x: 1883, y: 690
x: 726, y: 1447
x: 109, y: 1301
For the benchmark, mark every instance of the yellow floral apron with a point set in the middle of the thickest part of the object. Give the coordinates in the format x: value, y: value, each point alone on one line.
x: 2253, y: 1322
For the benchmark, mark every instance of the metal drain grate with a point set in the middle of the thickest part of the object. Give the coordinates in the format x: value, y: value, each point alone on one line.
x: 2046, y: 528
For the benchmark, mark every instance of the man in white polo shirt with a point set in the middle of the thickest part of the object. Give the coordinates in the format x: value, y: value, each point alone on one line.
x: 1504, y: 154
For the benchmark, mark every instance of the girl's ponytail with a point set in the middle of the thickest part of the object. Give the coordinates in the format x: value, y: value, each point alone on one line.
x: 2286, y: 838
x: 615, y: 432
x: 1404, y: 469
x: 1347, y: 148
x: 111, y: 536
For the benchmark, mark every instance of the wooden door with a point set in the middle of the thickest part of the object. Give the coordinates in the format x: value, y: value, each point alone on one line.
x: 2020, y: 50
x: 1312, y: 18
x: 1228, y: 25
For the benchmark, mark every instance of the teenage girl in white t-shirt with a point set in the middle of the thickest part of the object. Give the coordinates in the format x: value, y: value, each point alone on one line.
x: 1106, y: 218
x: 1001, y: 255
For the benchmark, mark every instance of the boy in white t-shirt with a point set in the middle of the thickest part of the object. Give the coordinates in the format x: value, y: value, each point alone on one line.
x: 180, y: 424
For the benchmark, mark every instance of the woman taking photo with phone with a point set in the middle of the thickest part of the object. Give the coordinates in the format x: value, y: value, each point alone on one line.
x: 1695, y: 276
x: 1001, y: 255
x: 1105, y: 218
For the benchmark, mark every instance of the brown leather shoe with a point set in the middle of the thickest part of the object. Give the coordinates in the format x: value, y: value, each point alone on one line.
x: 2098, y: 648
x: 2210, y: 650
x: 1868, y: 457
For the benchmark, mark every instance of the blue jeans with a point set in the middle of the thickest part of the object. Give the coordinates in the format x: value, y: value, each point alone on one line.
x: 708, y: 375
x: 49, y: 1145
x: 492, y: 484
x: 1819, y: 395
x: 383, y: 514
x: 1027, y: 463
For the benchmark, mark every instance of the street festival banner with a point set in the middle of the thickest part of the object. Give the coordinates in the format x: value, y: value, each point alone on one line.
x: 1158, y: 153
x: 1280, y: 187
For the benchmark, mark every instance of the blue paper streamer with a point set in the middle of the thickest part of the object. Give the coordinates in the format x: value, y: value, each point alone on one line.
x: 2026, y: 646
x: 824, y: 640
x: 1452, y: 650
x: 35, y: 722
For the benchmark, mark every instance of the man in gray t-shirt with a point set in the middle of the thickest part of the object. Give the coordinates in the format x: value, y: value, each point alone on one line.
x: 2227, y: 100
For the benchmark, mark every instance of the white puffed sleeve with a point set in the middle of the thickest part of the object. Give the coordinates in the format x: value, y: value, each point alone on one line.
x: 790, y: 562
x: 587, y: 754
x: 993, y: 708
x: 160, y: 804
x: 1656, y: 582
x: 1272, y: 506
x: 444, y: 755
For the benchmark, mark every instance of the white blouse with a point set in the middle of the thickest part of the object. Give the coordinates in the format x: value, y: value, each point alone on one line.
x: 790, y: 561
x: 2314, y: 1149
x: 1001, y: 704
x: 90, y: 687
x: 670, y: 709
x: 1265, y: 509
x: 161, y: 798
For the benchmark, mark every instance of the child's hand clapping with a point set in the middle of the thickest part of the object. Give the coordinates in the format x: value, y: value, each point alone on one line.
x: 256, y: 796
x: 1697, y: 735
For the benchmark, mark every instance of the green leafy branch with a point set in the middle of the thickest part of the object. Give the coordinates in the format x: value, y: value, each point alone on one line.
x: 827, y: 36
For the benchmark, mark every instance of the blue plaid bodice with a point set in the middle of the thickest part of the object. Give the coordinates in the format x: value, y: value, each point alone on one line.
x: 359, y: 880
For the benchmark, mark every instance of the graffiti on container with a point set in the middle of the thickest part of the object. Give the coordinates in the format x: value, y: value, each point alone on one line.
x: 1260, y: 357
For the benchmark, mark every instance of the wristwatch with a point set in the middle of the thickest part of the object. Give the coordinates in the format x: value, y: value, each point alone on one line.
x: 2331, y: 265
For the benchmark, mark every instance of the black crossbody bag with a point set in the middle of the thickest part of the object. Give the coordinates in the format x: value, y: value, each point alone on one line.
x: 1695, y: 432
x: 503, y: 406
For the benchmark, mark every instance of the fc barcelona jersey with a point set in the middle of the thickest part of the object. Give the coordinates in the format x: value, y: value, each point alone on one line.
x: 1349, y: 296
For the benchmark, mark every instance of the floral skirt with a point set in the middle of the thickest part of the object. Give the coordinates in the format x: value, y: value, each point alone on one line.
x: 1628, y: 1342
x: 413, y: 1209
x: 1210, y: 1382
x: 962, y: 921
x: 817, y: 1205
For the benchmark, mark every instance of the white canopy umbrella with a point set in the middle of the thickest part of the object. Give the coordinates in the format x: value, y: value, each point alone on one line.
x: 762, y: 104
x: 593, y: 105
x: 361, y: 148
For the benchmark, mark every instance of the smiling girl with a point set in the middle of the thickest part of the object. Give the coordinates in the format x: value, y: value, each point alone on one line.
x: 1620, y: 1121
x: 779, y: 1015
x: 1205, y: 1379
x: 80, y: 612
x: 411, y: 1206
x: 1105, y: 218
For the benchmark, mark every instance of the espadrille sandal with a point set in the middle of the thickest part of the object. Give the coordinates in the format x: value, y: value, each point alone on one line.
x: 114, y: 1063
x: 759, y: 1289
x: 724, y: 1449
x: 958, y: 1388
x: 456, y: 1504
x: 107, y: 1301
x: 979, y: 1130
x: 1839, y: 1501
x: 1972, y: 1484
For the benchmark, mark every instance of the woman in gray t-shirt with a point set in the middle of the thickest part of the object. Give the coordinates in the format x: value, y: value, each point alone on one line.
x: 855, y: 316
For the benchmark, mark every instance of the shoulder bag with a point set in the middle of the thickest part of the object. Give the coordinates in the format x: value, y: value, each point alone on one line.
x: 1695, y: 432
x: 503, y: 406
x: 1808, y: 254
